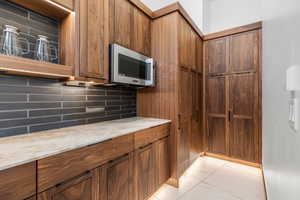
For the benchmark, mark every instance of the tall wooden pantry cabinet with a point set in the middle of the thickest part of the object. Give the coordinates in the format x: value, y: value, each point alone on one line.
x: 177, y: 48
x: 232, y: 65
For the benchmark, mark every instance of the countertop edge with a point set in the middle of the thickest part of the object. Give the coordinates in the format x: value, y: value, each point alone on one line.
x: 36, y: 158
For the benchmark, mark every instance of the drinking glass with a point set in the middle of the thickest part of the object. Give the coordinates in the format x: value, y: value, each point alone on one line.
x: 44, y: 48
x: 10, y: 42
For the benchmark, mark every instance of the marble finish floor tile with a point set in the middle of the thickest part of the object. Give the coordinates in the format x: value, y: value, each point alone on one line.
x: 214, y: 179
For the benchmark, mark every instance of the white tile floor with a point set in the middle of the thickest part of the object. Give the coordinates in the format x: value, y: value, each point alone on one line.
x: 214, y: 179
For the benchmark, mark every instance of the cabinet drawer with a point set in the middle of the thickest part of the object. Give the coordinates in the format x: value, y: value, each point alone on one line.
x: 150, y: 135
x: 18, y: 182
x: 59, y: 168
x: 65, y: 3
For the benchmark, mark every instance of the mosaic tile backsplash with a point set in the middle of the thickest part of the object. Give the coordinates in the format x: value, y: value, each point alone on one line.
x: 30, y: 24
x: 35, y: 104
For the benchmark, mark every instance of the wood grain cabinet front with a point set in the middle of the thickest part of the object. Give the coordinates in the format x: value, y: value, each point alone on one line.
x: 121, y: 26
x: 162, y: 161
x: 83, y: 187
x: 18, y: 183
x: 94, y: 39
x: 141, y: 32
x: 130, y: 26
x: 59, y: 168
x: 145, y: 172
x: 117, y: 179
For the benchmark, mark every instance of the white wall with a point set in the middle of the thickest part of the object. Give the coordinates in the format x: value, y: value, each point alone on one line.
x: 281, y: 147
x: 193, y: 7
x: 224, y: 14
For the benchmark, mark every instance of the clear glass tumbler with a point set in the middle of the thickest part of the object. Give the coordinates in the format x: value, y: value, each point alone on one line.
x: 44, y: 48
x: 10, y: 42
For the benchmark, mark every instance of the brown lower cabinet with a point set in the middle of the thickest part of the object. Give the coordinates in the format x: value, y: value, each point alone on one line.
x: 134, y: 176
x: 82, y: 187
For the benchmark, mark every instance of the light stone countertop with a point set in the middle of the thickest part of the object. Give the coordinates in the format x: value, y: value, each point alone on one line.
x: 18, y: 150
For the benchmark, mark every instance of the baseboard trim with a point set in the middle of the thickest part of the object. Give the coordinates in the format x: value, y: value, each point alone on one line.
x: 222, y: 157
x: 173, y: 182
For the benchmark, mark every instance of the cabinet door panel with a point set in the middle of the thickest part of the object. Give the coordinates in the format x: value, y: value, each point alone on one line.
x: 145, y: 172
x: 199, y: 55
x: 123, y: 13
x: 184, y: 43
x: 217, y: 135
x: 162, y: 161
x: 81, y: 187
x: 216, y: 105
x: 18, y: 182
x: 142, y: 32
x: 196, y: 136
x: 185, y: 116
x: 193, y: 48
x: 244, y: 52
x: 216, y: 95
x: 243, y: 107
x: 217, y: 56
x: 120, y: 179
x: 93, y: 33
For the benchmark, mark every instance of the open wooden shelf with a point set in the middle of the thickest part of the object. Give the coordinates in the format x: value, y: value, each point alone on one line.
x: 29, y: 67
x: 47, y: 8
x: 61, y: 10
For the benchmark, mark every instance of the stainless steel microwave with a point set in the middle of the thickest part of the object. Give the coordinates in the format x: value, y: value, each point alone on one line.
x: 130, y: 67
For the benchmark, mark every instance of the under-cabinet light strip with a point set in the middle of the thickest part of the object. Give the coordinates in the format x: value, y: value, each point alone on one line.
x: 57, y: 5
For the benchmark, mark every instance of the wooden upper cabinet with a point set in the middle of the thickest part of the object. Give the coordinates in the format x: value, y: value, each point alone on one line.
x: 145, y: 172
x: 65, y: 3
x: 199, y: 54
x: 244, y: 52
x: 193, y: 49
x: 81, y: 187
x: 121, y: 14
x: 184, y: 43
x: 141, y: 32
x: 93, y: 38
x: 217, y: 56
x: 18, y: 183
